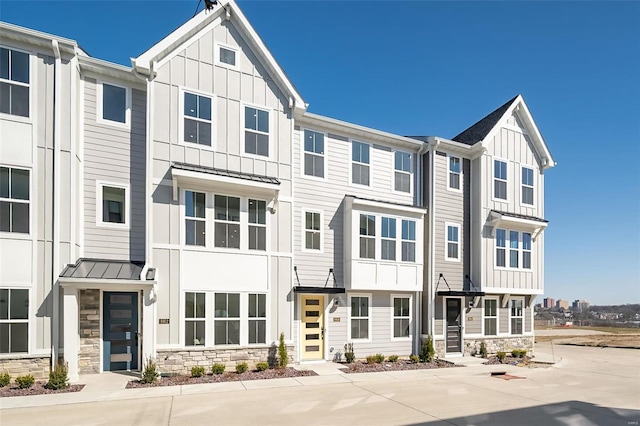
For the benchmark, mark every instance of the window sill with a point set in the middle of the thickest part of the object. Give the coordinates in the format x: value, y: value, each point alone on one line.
x: 198, y: 145
x: 114, y: 124
x: 16, y: 118
x: 316, y: 178
x: 111, y: 225
x: 23, y: 355
x: 15, y: 236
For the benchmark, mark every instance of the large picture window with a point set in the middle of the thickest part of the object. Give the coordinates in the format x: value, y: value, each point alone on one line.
x: 256, y: 131
x: 360, y: 163
x: 14, y: 82
x: 194, y: 319
x: 195, y: 218
x: 227, y: 319
x: 227, y: 222
x: 14, y: 200
x: 359, y: 317
x: 367, y: 236
x: 401, y: 316
x: 14, y: 320
x: 197, y: 119
x: 402, y: 175
x: 314, y: 153
x: 257, y: 318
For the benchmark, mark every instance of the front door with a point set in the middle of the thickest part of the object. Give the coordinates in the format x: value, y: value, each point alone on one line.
x: 312, y: 327
x: 454, y: 325
x: 120, y: 331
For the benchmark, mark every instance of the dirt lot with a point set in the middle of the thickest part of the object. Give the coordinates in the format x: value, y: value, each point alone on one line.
x: 584, y: 336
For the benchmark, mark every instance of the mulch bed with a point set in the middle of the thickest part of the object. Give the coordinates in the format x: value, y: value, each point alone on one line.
x: 364, y: 367
x: 37, y: 389
x: 277, y: 373
x: 509, y: 360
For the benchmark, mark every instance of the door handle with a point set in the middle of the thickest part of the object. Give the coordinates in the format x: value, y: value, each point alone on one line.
x: 137, y: 335
x: 322, y: 332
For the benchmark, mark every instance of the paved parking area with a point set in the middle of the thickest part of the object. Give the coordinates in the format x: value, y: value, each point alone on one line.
x: 589, y: 386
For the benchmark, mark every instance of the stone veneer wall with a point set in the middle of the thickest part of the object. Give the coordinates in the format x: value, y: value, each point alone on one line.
x: 38, y: 366
x: 89, y: 356
x: 495, y: 344
x: 180, y: 361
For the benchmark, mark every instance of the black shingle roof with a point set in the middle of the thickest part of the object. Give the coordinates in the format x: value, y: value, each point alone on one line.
x: 226, y: 173
x: 103, y: 269
x: 479, y: 131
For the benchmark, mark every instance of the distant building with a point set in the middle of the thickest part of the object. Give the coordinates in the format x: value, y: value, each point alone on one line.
x: 580, y: 305
x: 548, y: 303
x: 562, y: 304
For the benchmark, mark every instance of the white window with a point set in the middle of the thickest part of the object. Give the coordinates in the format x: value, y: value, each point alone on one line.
x: 516, y: 315
x: 526, y: 250
x: 490, y: 317
x: 401, y: 317
x: 402, y: 175
x: 14, y: 320
x: 112, y: 209
x: 453, y: 242
x: 408, y: 241
x: 527, y: 186
x: 360, y: 163
x: 256, y: 131
x: 257, y: 318
x: 359, y: 317
x: 367, y: 236
x: 197, y: 123
x: 455, y: 172
x: 257, y: 225
x: 227, y: 319
x: 514, y: 245
x: 194, y: 319
x: 227, y: 221
x: 14, y: 82
x: 227, y: 56
x: 14, y: 200
x: 314, y: 154
x: 388, y: 242
x: 501, y: 248
x: 499, y: 179
x: 114, y: 104
x: 312, y: 231
x: 195, y: 218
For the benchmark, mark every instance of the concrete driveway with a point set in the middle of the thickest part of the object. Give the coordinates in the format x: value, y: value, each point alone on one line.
x: 589, y: 386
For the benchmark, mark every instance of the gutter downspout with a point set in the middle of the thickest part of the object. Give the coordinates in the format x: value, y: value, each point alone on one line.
x: 420, y: 202
x: 433, y: 145
x: 57, y: 119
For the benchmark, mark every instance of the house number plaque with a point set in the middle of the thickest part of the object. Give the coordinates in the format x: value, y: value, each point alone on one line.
x: 336, y: 319
x: 163, y: 321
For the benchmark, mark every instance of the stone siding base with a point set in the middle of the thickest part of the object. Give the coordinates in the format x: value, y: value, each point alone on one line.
x: 471, y: 346
x: 38, y: 367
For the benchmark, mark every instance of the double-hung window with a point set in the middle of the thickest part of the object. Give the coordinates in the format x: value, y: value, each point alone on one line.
x: 388, y: 243
x: 526, y: 250
x: 14, y: 320
x: 402, y: 175
x: 490, y: 317
x: 14, y: 82
x: 359, y: 317
x: 195, y: 218
x: 257, y: 318
x: 501, y: 248
x: 455, y: 170
x: 312, y: 231
x: 514, y: 245
x: 256, y: 131
x: 194, y: 319
x: 257, y: 225
x: 314, y: 153
x: 408, y: 241
x: 114, y: 104
x: 227, y: 319
x: 499, y: 179
x: 367, y: 236
x: 453, y: 242
x: 360, y: 163
x: 527, y: 186
x: 516, y: 316
x: 14, y: 200
x: 197, y: 119
x: 401, y: 316
x: 227, y: 222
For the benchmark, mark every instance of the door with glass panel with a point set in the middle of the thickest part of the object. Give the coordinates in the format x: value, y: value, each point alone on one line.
x: 312, y: 327
x: 454, y: 325
x: 120, y: 331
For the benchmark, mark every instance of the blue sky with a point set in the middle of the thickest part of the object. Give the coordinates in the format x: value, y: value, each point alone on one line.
x: 437, y: 67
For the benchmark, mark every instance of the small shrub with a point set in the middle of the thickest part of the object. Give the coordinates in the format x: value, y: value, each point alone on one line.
x: 483, y: 350
x: 242, y: 368
x: 428, y: 353
x: 261, y: 366
x: 197, y: 371
x: 218, y: 368
x: 5, y: 379
x: 371, y: 359
x: 414, y: 359
x: 59, y: 377
x: 25, y: 382
x: 283, y: 356
x: 519, y: 353
x: 349, y: 355
x: 393, y: 358
x: 379, y: 358
x: 501, y: 356
x: 150, y: 372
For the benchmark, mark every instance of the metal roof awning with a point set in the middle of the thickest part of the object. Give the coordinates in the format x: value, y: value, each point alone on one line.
x: 321, y: 290
x: 103, y: 269
x: 466, y: 293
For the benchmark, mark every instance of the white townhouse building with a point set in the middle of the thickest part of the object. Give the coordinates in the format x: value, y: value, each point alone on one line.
x: 189, y: 209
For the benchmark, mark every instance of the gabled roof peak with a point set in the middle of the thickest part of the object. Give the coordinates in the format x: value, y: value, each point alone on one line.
x: 478, y: 131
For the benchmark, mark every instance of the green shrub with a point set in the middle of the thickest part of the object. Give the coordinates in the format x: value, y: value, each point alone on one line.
x: 242, y: 368
x: 428, y: 353
x: 371, y: 359
x: 5, y: 379
x: 25, y: 382
x: 197, y: 371
x: 59, y: 377
x: 393, y: 358
x: 218, y: 368
x: 379, y: 358
x: 519, y: 353
x: 150, y: 372
x: 414, y: 359
x: 349, y: 355
x: 261, y: 366
x: 501, y: 356
x: 283, y: 356
x: 483, y: 349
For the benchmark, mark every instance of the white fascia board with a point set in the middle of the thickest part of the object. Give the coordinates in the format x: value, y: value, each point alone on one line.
x: 97, y: 68
x: 511, y: 291
x: 402, y: 210
x: 451, y: 146
x: 27, y: 35
x: 104, y: 284
x: 537, y: 136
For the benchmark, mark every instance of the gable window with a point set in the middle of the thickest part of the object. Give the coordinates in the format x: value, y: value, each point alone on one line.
x: 257, y: 318
x: 367, y: 236
x: 257, y: 225
x: 360, y: 163
x: 408, y: 241
x: 402, y: 171
x: 14, y: 200
x: 14, y: 320
x: 490, y: 317
x: 359, y: 317
x: 453, y: 242
x: 513, y: 249
x: 256, y: 131
x: 388, y: 243
x: 197, y: 119
x: 401, y: 316
x: 227, y: 221
x: 526, y: 250
x: 194, y: 319
x: 114, y: 103
x: 227, y: 56
x: 516, y: 316
x: 312, y: 231
x: 527, y: 186
x: 195, y: 221
x: 227, y: 319
x: 313, y: 153
x: 455, y: 169
x: 501, y: 247
x: 14, y: 82
x: 499, y: 179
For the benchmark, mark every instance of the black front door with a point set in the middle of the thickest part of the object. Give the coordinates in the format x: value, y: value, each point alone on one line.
x: 454, y: 325
x: 120, y: 331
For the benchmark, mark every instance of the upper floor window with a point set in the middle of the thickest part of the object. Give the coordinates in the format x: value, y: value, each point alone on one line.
x: 408, y: 241
x: 526, y: 250
x: 257, y: 225
x: 360, y: 163
x: 499, y: 179
x: 388, y: 243
x: 227, y: 221
x: 14, y: 82
x: 14, y: 200
x: 453, y: 242
x: 114, y: 103
x: 490, y: 317
x: 114, y: 204
x: 514, y: 245
x: 359, y: 317
x: 516, y: 315
x: 194, y: 319
x: 401, y: 316
x: 313, y: 153
x: 312, y: 231
x: 257, y: 318
x: 197, y: 119
x: 367, y: 236
x: 402, y: 175
x: 455, y: 170
x: 256, y: 131
x: 519, y: 246
x: 14, y: 320
x: 227, y: 56
x: 501, y: 247
x: 195, y: 218
x: 227, y: 319
x: 527, y: 186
